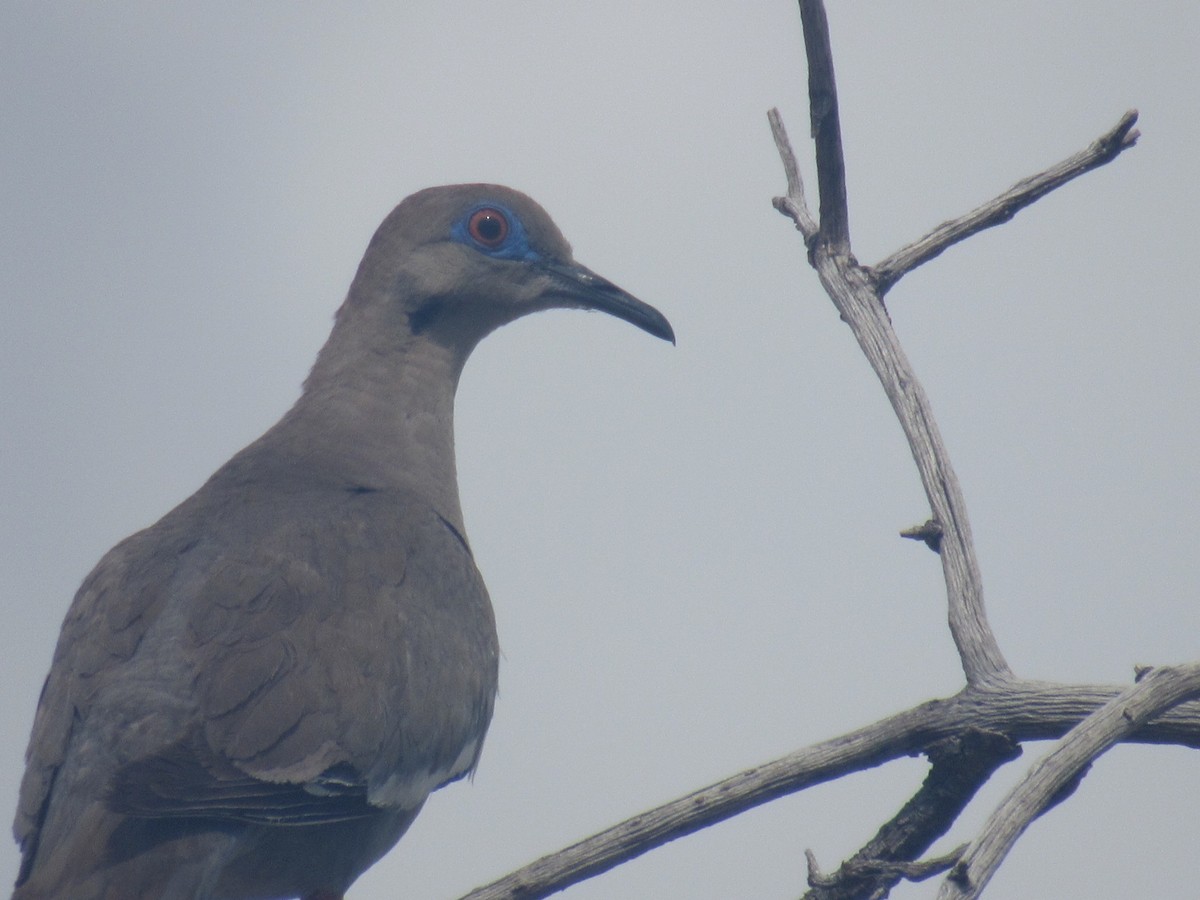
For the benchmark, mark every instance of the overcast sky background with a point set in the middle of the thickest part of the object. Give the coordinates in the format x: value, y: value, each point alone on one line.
x: 692, y: 552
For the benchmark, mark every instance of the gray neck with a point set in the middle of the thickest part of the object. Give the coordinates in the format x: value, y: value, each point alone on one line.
x: 376, y: 414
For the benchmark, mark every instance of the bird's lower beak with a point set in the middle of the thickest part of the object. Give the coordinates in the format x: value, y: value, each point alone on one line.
x: 583, y: 287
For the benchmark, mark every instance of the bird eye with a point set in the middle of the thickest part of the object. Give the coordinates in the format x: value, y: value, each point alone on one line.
x: 488, y: 227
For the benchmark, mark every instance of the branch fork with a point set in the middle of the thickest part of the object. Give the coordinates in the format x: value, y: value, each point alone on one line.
x: 968, y: 736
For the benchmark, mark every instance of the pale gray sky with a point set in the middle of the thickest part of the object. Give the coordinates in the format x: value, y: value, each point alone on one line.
x: 692, y: 551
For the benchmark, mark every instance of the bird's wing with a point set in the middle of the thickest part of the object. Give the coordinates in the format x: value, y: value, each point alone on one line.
x: 101, y: 633
x: 310, y: 658
x: 189, y: 781
x: 360, y: 640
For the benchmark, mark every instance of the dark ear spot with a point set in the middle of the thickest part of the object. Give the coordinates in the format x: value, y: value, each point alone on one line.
x: 425, y: 315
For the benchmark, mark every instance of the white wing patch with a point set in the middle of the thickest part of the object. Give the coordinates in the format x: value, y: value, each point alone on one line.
x: 409, y: 791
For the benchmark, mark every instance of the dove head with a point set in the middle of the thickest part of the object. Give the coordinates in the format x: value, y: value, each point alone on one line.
x: 446, y: 267
x: 451, y: 264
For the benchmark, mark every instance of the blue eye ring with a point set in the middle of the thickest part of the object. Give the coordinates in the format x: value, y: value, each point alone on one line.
x: 494, y: 230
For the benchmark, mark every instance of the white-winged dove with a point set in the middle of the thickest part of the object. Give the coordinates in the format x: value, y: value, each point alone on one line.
x: 253, y: 697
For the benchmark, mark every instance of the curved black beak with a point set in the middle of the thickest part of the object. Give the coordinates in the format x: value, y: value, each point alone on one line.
x: 581, y: 286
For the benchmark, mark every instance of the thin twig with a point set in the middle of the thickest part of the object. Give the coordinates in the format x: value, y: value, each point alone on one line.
x: 1159, y: 690
x: 794, y: 205
x: 1103, y: 150
x: 917, y: 870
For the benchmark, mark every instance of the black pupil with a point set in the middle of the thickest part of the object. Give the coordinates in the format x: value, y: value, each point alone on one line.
x: 489, y: 227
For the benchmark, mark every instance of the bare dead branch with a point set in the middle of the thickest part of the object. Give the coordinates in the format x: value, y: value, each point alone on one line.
x: 834, y: 221
x: 1000, y: 209
x: 959, y: 767
x: 1159, y: 690
x: 994, y: 703
x: 794, y: 205
x: 1022, y: 710
x: 853, y: 292
x: 918, y: 870
x: 929, y: 532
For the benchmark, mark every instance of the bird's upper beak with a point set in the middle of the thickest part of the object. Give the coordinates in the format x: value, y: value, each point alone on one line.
x: 581, y: 286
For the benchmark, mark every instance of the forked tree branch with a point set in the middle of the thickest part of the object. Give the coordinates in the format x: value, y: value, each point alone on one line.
x: 1059, y: 769
x: 958, y: 768
x: 852, y: 291
x: 996, y: 705
x: 1021, y: 710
